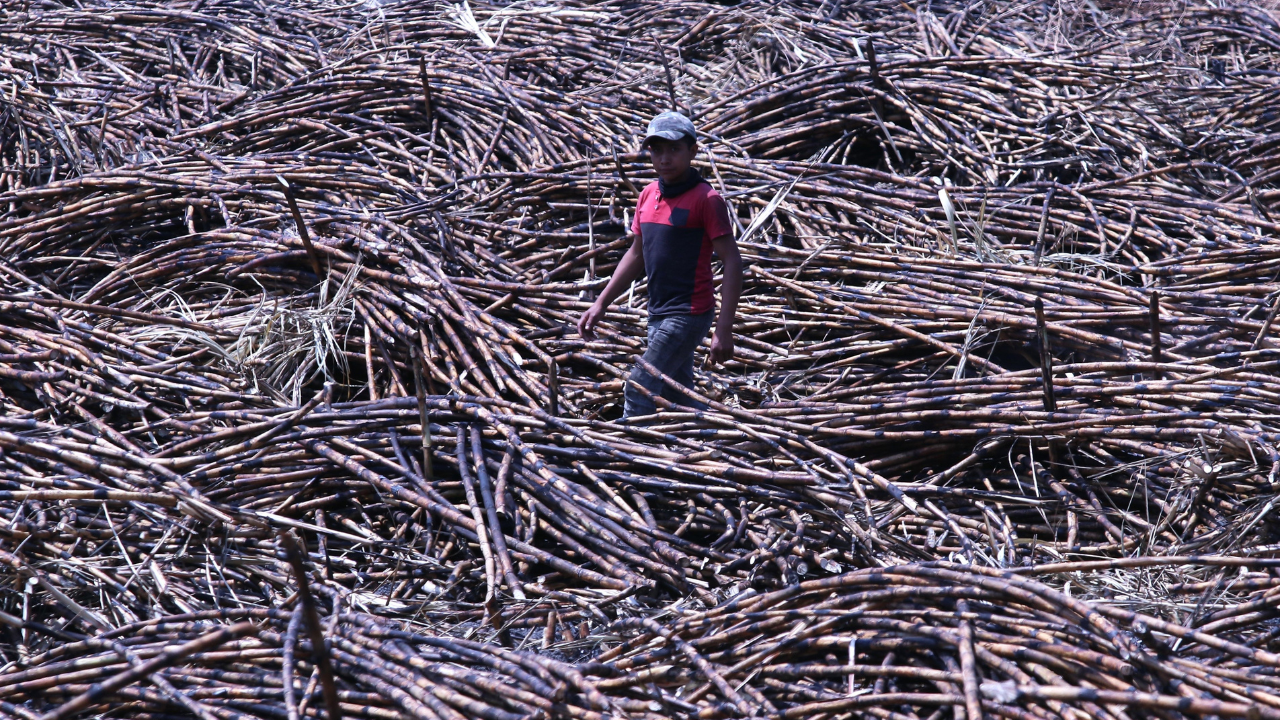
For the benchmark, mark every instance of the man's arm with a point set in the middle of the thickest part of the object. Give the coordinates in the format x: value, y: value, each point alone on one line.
x: 630, y: 268
x: 722, y: 341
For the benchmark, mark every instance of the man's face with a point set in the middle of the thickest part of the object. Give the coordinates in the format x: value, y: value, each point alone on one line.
x: 671, y: 158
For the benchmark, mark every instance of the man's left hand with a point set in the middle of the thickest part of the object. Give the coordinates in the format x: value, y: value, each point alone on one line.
x: 721, y: 348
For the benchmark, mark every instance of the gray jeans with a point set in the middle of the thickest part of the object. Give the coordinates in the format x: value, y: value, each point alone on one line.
x: 672, y: 340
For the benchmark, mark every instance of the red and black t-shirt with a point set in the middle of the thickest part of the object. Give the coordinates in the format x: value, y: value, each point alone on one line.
x: 676, y: 234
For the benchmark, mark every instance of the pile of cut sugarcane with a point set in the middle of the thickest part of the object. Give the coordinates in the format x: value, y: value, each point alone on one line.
x: 295, y: 420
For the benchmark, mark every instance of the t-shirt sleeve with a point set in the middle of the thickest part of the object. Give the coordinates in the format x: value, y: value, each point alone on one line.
x: 635, y: 219
x: 715, y: 216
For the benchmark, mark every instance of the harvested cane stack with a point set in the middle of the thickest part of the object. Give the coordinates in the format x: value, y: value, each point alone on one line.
x: 295, y: 420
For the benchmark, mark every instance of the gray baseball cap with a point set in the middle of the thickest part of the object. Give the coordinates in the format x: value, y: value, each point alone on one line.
x: 670, y: 126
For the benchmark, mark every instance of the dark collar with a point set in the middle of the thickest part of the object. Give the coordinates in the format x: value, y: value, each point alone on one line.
x: 670, y: 190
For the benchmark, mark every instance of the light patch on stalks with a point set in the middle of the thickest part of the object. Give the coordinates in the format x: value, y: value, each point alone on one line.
x: 1177, y: 594
x: 945, y: 198
x: 460, y: 15
x: 1081, y: 262
x: 764, y: 44
x: 972, y: 338
x: 290, y: 342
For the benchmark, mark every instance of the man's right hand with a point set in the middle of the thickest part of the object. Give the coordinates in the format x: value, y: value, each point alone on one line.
x: 587, y: 322
x: 629, y: 268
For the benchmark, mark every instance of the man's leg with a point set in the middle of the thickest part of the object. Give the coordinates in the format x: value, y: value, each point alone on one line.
x: 682, y: 372
x: 672, y: 341
x: 636, y: 403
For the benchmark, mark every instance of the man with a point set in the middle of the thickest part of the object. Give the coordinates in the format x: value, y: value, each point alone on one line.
x: 679, y: 221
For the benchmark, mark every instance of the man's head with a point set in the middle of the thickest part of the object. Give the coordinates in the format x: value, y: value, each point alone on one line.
x: 672, y: 143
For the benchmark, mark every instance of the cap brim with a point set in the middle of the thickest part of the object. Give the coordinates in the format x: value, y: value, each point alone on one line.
x: 671, y: 135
